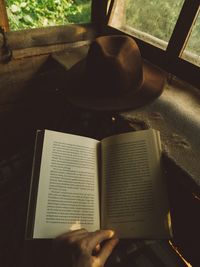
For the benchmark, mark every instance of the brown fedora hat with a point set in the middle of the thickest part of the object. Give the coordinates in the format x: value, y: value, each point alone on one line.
x: 113, y: 76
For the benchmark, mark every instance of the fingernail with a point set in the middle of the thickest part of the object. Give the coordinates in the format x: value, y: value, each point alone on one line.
x: 111, y: 233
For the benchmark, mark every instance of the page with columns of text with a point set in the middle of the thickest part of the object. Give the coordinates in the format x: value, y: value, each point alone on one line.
x: 68, y: 195
x: 134, y: 197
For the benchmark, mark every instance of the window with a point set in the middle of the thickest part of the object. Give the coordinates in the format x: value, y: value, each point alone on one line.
x: 24, y: 14
x: 191, y: 52
x: 167, y: 32
x: 153, y: 21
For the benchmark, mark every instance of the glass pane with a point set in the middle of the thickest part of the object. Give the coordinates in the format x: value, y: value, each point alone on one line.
x: 32, y: 14
x: 191, y: 52
x: 150, y: 20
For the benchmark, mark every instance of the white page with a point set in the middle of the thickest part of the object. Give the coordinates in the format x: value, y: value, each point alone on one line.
x: 68, y: 197
x: 134, y: 199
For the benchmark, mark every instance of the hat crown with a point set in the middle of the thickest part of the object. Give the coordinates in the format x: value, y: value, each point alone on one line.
x: 114, y: 65
x: 113, y: 76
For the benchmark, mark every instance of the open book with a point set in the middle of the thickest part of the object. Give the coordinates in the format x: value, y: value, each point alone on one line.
x: 116, y: 183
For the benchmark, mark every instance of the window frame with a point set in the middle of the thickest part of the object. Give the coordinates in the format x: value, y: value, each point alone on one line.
x: 167, y: 59
x: 3, y: 16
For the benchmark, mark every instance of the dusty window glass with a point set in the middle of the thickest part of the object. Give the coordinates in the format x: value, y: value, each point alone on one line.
x: 149, y: 20
x: 24, y: 14
x: 191, y: 52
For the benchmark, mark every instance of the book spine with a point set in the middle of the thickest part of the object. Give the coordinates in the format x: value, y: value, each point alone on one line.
x: 34, y: 184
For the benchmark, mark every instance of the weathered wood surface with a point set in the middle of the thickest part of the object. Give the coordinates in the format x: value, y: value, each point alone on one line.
x: 3, y: 16
x: 30, y: 99
x: 45, y: 50
x: 32, y: 95
x: 50, y: 36
x: 15, y: 75
x: 117, y: 16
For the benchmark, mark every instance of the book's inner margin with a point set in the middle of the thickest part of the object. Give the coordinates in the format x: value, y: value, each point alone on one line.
x: 68, y: 185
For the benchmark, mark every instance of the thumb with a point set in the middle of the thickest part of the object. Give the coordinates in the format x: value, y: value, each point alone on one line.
x: 107, y: 250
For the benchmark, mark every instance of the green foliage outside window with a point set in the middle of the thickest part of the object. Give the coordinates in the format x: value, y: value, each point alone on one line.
x: 24, y: 14
x: 193, y: 44
x: 158, y: 18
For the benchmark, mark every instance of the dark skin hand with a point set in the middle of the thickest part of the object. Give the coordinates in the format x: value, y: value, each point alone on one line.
x: 80, y: 248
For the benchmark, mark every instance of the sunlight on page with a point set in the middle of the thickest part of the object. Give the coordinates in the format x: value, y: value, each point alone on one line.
x: 75, y: 226
x: 68, y: 185
x: 168, y: 223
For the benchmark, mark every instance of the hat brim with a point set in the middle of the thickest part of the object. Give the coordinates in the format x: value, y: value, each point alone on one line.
x: 152, y: 87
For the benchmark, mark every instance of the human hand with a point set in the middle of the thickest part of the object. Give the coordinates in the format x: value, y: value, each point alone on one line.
x: 82, y: 249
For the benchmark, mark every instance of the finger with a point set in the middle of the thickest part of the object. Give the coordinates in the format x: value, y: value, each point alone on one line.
x: 107, y: 250
x: 75, y: 232
x: 72, y: 234
x: 77, y: 237
x: 97, y: 237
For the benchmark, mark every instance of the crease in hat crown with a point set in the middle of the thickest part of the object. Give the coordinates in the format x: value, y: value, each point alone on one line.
x: 114, y: 63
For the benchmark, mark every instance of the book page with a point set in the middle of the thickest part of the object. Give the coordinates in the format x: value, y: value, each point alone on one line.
x: 134, y: 199
x: 68, y: 197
